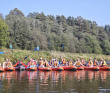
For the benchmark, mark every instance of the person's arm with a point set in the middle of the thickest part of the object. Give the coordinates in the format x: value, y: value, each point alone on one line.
x: 81, y: 64
x: 75, y: 63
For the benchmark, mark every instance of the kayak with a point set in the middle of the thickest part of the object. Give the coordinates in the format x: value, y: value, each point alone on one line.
x: 104, y: 68
x: 69, y: 67
x: 32, y: 68
x: 20, y: 68
x: 80, y: 68
x: 9, y: 68
x: 45, y: 68
x: 57, y: 68
x: 96, y: 68
x: 2, y: 69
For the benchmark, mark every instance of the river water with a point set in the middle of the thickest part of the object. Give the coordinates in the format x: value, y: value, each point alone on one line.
x: 55, y: 82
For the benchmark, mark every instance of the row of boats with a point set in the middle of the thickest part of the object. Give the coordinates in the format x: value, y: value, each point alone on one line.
x: 7, y: 66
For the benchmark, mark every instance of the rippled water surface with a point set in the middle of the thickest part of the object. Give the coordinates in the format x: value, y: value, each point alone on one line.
x: 55, y: 82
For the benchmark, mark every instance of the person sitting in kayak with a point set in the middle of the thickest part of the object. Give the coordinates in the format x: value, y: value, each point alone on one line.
x: 56, y: 64
x: 0, y: 64
x: 83, y: 62
x: 70, y: 63
x: 78, y: 63
x: 64, y: 62
x: 19, y: 63
x: 46, y: 64
x: 9, y: 64
x: 90, y: 63
x: 31, y: 63
x: 40, y: 61
x: 103, y: 63
x: 95, y: 63
x: 51, y: 62
x: 5, y: 63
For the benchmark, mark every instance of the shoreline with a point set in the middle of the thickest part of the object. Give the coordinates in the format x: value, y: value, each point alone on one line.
x: 21, y: 54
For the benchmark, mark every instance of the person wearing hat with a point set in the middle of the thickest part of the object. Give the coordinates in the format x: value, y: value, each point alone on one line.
x: 103, y: 63
x: 40, y: 62
x: 70, y: 63
x: 78, y: 63
x: 95, y: 63
x: 56, y: 64
x: 90, y: 63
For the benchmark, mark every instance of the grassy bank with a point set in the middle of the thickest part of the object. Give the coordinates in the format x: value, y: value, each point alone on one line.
x: 21, y: 54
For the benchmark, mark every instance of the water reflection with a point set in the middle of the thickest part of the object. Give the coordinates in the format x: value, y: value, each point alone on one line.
x: 53, y: 81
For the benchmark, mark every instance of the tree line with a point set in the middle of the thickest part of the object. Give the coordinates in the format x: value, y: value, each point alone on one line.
x: 77, y: 35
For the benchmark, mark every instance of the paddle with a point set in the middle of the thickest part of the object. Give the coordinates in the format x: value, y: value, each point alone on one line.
x: 11, y: 50
x: 1, y: 52
x: 38, y: 51
x: 31, y: 52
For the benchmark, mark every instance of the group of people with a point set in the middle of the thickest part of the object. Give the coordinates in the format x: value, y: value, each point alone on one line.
x: 56, y: 63
x: 7, y: 63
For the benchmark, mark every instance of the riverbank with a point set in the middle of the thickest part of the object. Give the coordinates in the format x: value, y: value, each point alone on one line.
x: 21, y: 54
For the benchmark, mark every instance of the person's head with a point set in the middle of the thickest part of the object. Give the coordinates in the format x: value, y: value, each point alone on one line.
x: 89, y: 58
x: 78, y: 59
x: 40, y: 58
x: 19, y: 60
x: 44, y: 59
x: 6, y: 60
x: 94, y: 59
x: 9, y: 60
x: 102, y: 59
x: 54, y: 59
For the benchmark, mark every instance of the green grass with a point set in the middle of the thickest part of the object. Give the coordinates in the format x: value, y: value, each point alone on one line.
x: 21, y: 54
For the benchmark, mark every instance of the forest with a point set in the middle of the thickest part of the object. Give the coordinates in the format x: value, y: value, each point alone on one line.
x: 49, y: 32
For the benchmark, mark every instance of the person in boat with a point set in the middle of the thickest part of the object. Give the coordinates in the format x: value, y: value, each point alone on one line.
x: 40, y: 61
x: 95, y: 63
x: 51, y: 62
x: 8, y: 64
x: 0, y: 65
x: 31, y: 63
x: 78, y: 63
x: 64, y: 62
x: 103, y: 63
x: 70, y: 63
x: 5, y: 63
x: 46, y: 64
x: 56, y: 64
x: 90, y: 63
x: 19, y: 63
x: 83, y: 62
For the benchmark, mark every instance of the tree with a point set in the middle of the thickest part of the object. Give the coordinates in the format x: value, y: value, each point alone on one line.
x: 4, y: 39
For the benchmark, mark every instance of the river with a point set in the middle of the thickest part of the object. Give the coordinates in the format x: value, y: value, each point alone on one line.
x: 55, y: 82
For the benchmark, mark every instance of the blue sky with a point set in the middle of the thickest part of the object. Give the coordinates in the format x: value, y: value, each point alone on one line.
x: 94, y: 10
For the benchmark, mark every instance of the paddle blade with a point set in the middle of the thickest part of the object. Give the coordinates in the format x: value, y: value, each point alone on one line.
x: 37, y: 48
x: 49, y: 43
x: 1, y: 52
x: 62, y: 46
x: 25, y: 57
x: 10, y: 46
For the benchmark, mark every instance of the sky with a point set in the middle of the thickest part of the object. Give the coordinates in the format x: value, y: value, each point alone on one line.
x: 94, y: 10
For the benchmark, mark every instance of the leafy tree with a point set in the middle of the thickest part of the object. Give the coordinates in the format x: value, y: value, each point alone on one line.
x: 4, y: 39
